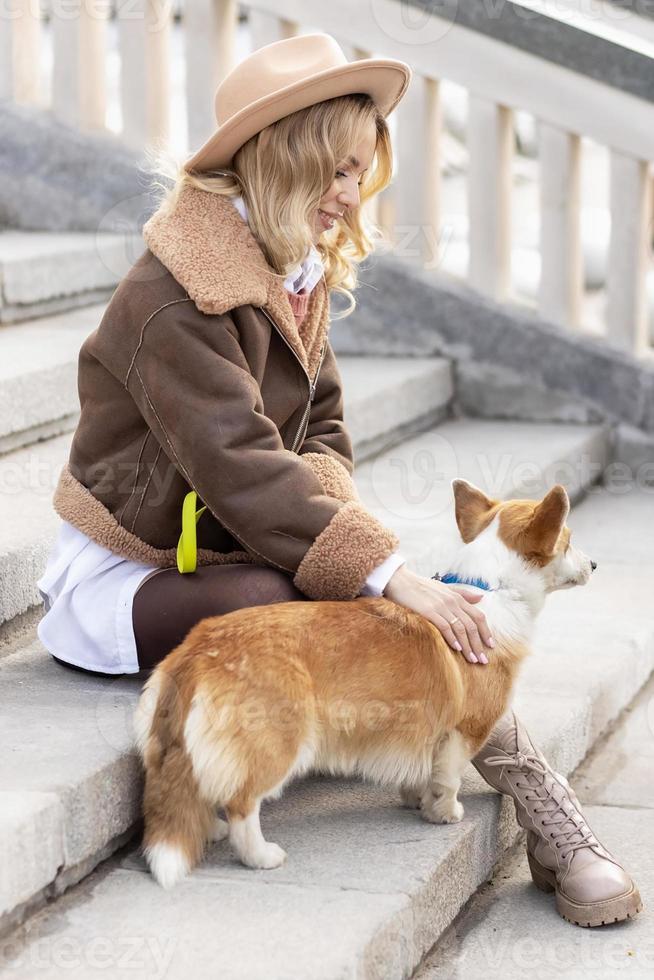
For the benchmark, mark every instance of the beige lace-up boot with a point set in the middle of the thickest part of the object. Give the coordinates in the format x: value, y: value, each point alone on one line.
x: 564, y: 854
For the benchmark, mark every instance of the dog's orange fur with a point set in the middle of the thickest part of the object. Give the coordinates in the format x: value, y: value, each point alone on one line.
x: 367, y: 684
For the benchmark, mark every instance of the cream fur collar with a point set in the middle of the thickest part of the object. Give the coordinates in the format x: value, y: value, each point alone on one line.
x: 212, y: 253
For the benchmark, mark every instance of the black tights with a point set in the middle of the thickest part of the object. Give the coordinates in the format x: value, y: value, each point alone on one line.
x: 167, y: 605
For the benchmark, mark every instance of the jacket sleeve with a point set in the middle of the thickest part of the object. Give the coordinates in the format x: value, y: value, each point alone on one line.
x: 327, y: 445
x: 192, y: 384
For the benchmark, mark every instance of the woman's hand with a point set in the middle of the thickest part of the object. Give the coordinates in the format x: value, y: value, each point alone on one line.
x: 441, y: 604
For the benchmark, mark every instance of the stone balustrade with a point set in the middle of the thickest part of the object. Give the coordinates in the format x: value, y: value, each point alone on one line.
x: 578, y: 76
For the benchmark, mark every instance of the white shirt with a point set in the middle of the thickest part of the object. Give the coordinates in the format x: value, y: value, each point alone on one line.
x: 88, y: 591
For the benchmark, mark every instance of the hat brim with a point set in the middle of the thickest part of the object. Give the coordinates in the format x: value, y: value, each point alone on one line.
x: 385, y: 80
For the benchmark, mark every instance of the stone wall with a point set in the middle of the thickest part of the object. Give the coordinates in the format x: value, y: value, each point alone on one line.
x: 54, y: 177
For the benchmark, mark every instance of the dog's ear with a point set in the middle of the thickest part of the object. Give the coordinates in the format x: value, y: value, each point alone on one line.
x: 549, y: 518
x: 471, y: 506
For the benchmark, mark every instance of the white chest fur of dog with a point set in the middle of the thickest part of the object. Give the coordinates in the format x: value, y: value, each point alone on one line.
x: 257, y: 697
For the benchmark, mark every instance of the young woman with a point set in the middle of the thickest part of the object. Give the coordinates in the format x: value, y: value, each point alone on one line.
x: 211, y: 404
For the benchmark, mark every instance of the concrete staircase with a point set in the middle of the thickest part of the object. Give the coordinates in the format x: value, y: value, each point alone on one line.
x: 45, y: 272
x: 368, y: 887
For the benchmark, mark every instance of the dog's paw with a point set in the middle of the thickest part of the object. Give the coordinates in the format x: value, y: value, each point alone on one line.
x: 453, y: 814
x: 219, y: 830
x: 410, y: 798
x: 266, y: 857
x: 438, y: 810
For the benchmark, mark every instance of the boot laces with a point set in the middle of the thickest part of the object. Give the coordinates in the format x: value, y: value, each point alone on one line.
x: 543, y: 784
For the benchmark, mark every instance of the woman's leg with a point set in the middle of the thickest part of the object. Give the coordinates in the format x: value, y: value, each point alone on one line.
x: 167, y: 605
x: 565, y: 856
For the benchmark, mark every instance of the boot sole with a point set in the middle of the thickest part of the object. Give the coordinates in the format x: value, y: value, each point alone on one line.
x: 587, y: 916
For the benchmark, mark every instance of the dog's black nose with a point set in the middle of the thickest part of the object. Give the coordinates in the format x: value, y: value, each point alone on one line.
x: 593, y: 564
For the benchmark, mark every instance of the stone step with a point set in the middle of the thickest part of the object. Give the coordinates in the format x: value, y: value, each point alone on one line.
x: 385, y: 397
x: 90, y: 796
x: 38, y: 375
x: 47, y: 272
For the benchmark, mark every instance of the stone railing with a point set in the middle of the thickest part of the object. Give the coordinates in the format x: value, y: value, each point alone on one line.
x: 577, y: 76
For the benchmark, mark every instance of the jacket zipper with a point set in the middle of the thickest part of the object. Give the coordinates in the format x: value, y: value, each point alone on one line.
x: 299, y: 435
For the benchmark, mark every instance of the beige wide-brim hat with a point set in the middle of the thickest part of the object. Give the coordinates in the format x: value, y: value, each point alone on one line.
x: 288, y: 75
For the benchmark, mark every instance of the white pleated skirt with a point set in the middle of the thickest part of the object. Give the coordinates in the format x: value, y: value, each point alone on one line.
x: 88, y: 593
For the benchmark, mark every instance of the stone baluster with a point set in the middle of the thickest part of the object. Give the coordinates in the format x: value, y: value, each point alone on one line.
x: 417, y: 146
x: 79, y: 94
x: 490, y: 146
x: 561, y: 283
x: 210, y: 47
x: 145, y: 91
x: 20, y: 73
x: 631, y: 236
x: 6, y: 57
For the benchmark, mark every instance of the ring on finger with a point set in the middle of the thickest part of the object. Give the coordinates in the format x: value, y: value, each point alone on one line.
x: 455, y: 620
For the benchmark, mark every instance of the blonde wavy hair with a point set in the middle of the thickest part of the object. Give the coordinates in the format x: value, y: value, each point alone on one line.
x: 283, y: 172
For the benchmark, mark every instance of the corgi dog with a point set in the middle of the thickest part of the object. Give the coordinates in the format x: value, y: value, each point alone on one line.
x: 254, y: 698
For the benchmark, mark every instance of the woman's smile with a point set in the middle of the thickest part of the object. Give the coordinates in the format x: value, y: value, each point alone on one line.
x: 328, y: 219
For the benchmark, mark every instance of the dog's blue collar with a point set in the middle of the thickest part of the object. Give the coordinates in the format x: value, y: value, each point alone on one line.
x: 451, y: 578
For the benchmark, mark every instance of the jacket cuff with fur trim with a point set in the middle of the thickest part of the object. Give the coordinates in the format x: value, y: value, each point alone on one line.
x: 339, y: 561
x: 337, y: 482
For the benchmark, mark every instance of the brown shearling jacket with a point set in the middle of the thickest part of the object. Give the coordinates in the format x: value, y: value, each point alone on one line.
x: 197, y: 377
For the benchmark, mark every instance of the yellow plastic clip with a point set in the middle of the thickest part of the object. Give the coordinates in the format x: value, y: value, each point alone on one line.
x: 187, y: 546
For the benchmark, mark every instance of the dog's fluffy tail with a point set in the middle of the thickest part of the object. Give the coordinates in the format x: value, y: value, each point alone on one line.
x: 178, y: 820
